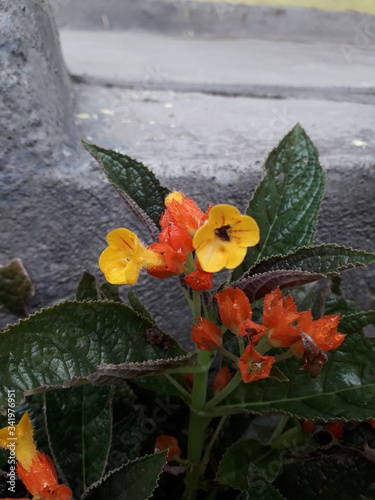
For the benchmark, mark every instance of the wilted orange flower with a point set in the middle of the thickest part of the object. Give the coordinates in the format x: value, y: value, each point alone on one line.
x: 199, y: 279
x: 206, y: 334
x: 222, y: 379
x: 34, y: 468
x: 279, y: 317
x: 323, y: 331
x: 254, y: 366
x: 168, y: 443
x: 183, y: 212
x: 222, y: 241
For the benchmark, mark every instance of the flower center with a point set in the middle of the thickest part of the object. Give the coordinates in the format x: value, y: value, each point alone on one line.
x: 222, y: 232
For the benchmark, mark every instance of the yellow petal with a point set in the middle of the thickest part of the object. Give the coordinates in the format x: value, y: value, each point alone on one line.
x: 204, y: 233
x: 235, y: 254
x: 123, y: 239
x: 245, y: 231
x: 212, y: 255
x: 222, y: 215
x: 132, y: 272
x: 23, y: 438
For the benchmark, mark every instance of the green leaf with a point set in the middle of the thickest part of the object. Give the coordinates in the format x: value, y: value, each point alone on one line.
x: 76, y: 342
x: 322, y: 259
x: 341, y: 475
x: 137, y: 305
x: 136, y: 184
x: 257, y: 286
x: 336, y: 302
x: 287, y: 200
x: 133, y: 481
x: 356, y: 322
x: 126, y: 439
x: 235, y: 463
x: 15, y: 287
x: 344, y: 390
x: 110, y: 292
x: 303, y: 266
x: 80, y: 442
x: 260, y: 486
x: 88, y: 287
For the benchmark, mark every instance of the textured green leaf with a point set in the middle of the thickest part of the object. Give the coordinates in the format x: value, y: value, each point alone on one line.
x: 344, y: 390
x: 257, y: 286
x: 235, y: 463
x: 260, y: 486
x: 322, y: 259
x: 77, y: 342
x: 126, y: 439
x: 287, y: 200
x: 356, y: 322
x: 110, y: 292
x: 136, y: 184
x: 15, y: 287
x: 133, y: 481
x: 336, y: 302
x: 88, y: 287
x: 137, y: 305
x: 342, y: 475
x: 80, y: 442
x: 306, y: 265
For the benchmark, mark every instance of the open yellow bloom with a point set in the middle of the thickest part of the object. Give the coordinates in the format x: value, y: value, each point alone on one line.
x: 122, y: 261
x: 223, y: 240
x: 23, y: 438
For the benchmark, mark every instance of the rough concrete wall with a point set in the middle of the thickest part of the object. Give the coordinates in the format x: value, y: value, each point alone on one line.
x: 35, y: 91
x: 37, y: 130
x: 56, y: 206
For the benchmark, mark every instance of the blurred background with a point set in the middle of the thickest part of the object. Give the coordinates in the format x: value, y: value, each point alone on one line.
x: 198, y: 91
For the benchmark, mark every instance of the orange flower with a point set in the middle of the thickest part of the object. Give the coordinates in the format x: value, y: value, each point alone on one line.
x: 308, y: 426
x: 235, y: 312
x: 199, y: 279
x: 41, y: 480
x: 168, y: 443
x: 336, y: 428
x: 222, y: 379
x: 34, y: 468
x: 234, y: 308
x: 279, y: 314
x: 206, y: 335
x: 183, y: 212
x: 174, y: 245
x: 254, y: 366
x: 323, y: 331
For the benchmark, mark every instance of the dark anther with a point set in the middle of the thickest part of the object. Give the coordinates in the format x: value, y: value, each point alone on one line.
x: 222, y: 232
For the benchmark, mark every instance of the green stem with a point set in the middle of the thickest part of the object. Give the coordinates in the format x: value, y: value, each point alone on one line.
x: 225, y: 392
x: 215, y: 435
x: 241, y: 344
x: 285, y: 355
x: 197, y: 426
x: 178, y: 386
x: 228, y: 354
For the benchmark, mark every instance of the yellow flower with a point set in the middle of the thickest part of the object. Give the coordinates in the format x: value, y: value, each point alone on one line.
x: 22, y: 438
x: 223, y: 240
x: 122, y: 261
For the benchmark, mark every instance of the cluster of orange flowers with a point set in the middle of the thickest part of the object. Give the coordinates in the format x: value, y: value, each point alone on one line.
x: 34, y: 468
x: 220, y: 238
x: 282, y: 325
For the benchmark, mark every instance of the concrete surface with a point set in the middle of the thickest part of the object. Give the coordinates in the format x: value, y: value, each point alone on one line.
x: 203, y: 114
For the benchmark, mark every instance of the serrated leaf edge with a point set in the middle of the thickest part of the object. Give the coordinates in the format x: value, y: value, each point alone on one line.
x: 104, y: 478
